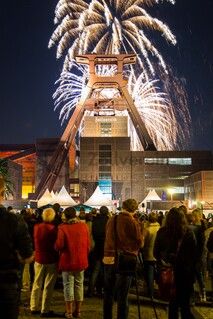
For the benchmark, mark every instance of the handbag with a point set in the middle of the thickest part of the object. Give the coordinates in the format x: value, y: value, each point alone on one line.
x: 166, y: 283
x: 125, y: 263
x: 166, y: 279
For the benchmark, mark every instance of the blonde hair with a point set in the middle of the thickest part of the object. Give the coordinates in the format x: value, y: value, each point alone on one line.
x: 48, y: 215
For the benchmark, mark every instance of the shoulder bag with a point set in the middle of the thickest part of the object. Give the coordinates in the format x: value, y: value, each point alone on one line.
x: 125, y: 263
x: 166, y: 279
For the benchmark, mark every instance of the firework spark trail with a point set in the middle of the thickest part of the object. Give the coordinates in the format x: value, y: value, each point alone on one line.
x: 118, y: 26
x: 112, y: 26
x: 155, y: 109
x: 157, y: 112
x: 69, y: 90
x: 175, y: 89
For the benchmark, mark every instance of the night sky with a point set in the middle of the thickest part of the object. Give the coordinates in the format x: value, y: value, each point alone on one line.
x: 28, y: 69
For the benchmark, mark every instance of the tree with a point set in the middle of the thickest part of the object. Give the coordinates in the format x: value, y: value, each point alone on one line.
x: 4, y: 173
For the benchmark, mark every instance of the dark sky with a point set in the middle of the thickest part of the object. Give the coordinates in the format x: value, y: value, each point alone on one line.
x: 28, y: 69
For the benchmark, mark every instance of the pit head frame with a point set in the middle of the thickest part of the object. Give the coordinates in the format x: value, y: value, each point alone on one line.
x: 89, y: 101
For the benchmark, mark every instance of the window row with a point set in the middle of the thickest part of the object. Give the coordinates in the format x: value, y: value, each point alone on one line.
x: 170, y: 161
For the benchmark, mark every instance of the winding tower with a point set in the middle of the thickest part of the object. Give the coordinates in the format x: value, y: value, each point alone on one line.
x: 91, y: 100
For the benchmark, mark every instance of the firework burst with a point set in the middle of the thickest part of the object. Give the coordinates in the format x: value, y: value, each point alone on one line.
x: 108, y: 26
x: 158, y: 113
x: 113, y: 27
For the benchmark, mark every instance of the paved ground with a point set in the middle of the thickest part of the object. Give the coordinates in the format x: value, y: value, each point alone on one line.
x: 92, y: 308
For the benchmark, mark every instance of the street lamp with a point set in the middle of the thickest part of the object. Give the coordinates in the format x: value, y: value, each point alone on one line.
x: 171, y: 191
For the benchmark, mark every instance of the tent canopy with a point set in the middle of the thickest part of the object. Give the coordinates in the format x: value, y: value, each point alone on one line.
x: 151, y: 196
x: 63, y: 198
x: 98, y: 199
x: 45, y: 199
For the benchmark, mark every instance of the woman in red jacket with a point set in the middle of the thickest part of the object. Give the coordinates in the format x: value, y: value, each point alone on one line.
x: 45, y: 266
x: 73, y: 245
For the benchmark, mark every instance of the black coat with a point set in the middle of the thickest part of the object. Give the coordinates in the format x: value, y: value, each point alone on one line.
x: 210, y: 242
x: 99, y: 233
x: 198, y: 231
x: 14, y: 237
x: 166, y: 247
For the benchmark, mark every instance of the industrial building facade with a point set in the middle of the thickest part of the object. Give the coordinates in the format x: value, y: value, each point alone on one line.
x: 199, y: 189
x: 124, y: 173
x: 106, y: 158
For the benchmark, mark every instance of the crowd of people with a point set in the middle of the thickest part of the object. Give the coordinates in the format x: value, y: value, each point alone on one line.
x: 42, y: 244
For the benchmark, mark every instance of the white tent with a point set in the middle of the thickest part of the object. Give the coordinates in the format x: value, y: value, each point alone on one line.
x: 151, y: 196
x: 52, y: 194
x: 45, y: 199
x: 98, y: 199
x: 64, y: 199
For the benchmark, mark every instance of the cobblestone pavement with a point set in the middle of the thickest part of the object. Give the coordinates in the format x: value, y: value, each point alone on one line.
x: 92, y: 308
x: 204, y: 312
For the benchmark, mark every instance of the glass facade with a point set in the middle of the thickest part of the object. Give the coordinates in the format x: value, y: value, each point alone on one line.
x: 105, y: 161
x: 106, y: 187
x: 178, y: 190
x: 170, y: 161
x: 105, y: 164
x: 180, y: 161
x: 155, y: 160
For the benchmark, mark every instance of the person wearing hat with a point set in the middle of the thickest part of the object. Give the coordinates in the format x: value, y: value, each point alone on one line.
x: 73, y: 245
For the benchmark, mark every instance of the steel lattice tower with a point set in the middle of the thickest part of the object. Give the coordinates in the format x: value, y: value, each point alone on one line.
x: 88, y: 102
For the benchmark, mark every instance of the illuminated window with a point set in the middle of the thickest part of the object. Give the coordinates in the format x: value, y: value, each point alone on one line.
x: 178, y: 177
x: 155, y: 160
x: 178, y: 190
x: 180, y: 161
x: 26, y: 189
x: 106, y: 129
x: 106, y: 187
x: 74, y: 189
x: 170, y: 161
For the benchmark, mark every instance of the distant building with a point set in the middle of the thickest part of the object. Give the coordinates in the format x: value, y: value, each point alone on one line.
x: 15, y: 176
x: 124, y: 173
x: 32, y: 159
x: 24, y: 155
x: 106, y: 158
x: 199, y: 189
